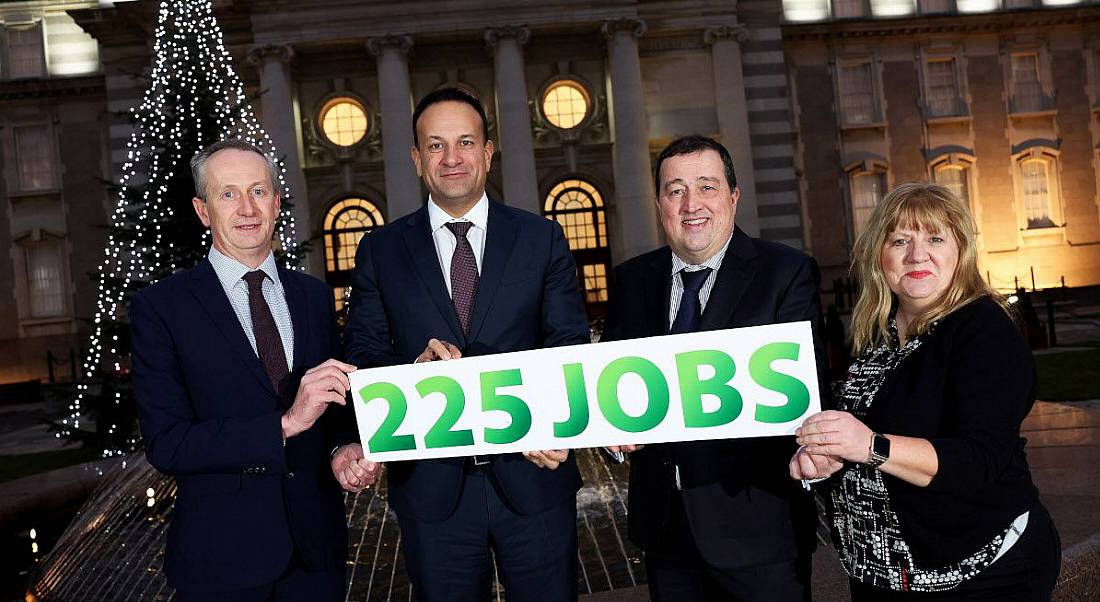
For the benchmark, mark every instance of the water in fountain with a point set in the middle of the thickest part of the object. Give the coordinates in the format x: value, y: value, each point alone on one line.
x: 114, y: 548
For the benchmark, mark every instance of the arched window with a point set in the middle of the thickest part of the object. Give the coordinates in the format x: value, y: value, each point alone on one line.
x: 566, y: 103
x: 346, y: 222
x: 956, y: 177
x: 578, y: 206
x: 1037, y: 188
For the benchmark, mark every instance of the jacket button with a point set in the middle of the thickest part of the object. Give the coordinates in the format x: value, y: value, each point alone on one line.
x: 290, y: 475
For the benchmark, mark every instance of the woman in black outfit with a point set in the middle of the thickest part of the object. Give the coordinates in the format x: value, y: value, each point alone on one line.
x: 930, y: 493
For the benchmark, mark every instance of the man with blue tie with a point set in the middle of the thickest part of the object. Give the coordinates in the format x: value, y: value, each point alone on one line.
x: 231, y: 379
x: 715, y: 519
x: 467, y: 276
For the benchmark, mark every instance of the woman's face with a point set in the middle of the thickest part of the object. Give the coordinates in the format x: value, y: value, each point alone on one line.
x: 919, y: 266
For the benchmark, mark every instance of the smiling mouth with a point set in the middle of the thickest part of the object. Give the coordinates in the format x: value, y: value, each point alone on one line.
x: 247, y: 227
x: 695, y: 221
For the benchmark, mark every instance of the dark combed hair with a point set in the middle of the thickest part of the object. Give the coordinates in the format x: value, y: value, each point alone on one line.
x: 450, y: 94
x: 689, y: 145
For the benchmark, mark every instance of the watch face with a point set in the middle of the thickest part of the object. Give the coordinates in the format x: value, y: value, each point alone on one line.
x: 881, y: 447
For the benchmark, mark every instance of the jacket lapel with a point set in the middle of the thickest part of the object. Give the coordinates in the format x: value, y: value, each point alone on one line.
x: 209, y: 292
x: 299, y: 316
x: 421, y: 248
x: 658, y: 287
x: 499, y: 240
x: 738, y: 268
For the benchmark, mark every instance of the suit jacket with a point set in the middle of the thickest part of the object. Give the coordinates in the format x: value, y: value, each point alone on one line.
x: 527, y: 298
x: 759, y: 283
x: 211, y: 418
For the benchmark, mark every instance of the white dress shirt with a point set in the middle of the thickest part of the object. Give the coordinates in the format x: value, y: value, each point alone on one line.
x: 230, y: 273
x: 677, y: 289
x: 446, y: 241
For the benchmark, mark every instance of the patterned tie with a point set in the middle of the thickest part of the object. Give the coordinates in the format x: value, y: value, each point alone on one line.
x: 463, y: 274
x: 269, y: 345
x: 687, y: 317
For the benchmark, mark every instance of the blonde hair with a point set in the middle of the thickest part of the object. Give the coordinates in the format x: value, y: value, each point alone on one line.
x: 918, y: 206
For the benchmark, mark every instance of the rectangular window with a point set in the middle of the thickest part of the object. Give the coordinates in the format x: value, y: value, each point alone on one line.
x: 34, y: 157
x: 943, y: 88
x: 1035, y: 175
x: 857, y: 100
x: 843, y: 9
x: 931, y: 7
x: 44, y: 280
x: 867, y: 190
x: 595, y: 282
x: 956, y: 179
x: 1027, y: 89
x: 25, y: 53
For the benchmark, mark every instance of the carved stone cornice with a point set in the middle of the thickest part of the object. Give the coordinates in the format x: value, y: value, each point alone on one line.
x: 737, y: 33
x: 519, y: 33
x: 633, y: 25
x: 258, y: 55
x: 401, y: 42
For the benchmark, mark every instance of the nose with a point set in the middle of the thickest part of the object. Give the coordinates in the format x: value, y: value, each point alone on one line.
x: 248, y: 206
x: 689, y: 202
x: 451, y: 156
x: 918, y: 251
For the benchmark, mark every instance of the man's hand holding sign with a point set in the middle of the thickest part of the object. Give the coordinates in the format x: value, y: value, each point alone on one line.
x: 746, y: 382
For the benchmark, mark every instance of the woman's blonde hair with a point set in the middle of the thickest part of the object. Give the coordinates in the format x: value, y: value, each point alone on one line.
x: 917, y: 206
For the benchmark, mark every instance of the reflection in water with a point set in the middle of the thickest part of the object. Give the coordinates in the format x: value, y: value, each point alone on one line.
x: 114, y: 549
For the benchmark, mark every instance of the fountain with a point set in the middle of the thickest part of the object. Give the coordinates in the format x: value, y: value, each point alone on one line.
x: 114, y: 548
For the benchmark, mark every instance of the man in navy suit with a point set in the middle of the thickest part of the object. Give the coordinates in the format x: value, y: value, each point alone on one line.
x: 468, y: 276
x: 231, y: 377
x: 716, y: 519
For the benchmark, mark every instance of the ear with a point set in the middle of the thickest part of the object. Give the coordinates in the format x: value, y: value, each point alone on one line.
x: 489, y: 149
x: 278, y: 204
x: 414, y: 152
x: 200, y: 210
x: 735, y: 195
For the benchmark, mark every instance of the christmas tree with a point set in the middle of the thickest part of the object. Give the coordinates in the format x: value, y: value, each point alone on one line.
x: 194, y: 98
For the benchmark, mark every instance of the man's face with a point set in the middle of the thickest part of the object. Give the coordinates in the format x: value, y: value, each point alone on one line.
x: 241, y: 205
x: 696, y: 204
x: 452, y: 156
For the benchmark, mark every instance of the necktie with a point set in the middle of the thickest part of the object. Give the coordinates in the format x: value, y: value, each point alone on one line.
x: 687, y: 317
x: 269, y: 345
x: 463, y: 274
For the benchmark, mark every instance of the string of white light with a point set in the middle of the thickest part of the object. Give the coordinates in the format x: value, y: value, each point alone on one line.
x: 189, y: 60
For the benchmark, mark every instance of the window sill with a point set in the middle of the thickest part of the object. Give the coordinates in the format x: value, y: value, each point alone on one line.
x: 1032, y: 114
x: 19, y: 195
x: 1042, y: 237
x: 871, y: 125
x: 947, y: 119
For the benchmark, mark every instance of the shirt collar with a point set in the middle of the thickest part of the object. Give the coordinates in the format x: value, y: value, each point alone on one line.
x: 230, y: 271
x: 478, y: 214
x: 713, y: 263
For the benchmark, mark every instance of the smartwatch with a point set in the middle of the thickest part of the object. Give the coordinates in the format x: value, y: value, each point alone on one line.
x: 880, y: 450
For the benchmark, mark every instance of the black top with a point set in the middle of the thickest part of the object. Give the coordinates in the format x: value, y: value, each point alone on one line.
x: 966, y: 389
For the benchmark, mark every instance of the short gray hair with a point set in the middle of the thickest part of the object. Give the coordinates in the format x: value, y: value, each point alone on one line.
x: 198, y: 163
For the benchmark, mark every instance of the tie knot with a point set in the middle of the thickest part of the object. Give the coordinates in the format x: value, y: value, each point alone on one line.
x: 459, y: 229
x: 255, y: 280
x: 693, y: 281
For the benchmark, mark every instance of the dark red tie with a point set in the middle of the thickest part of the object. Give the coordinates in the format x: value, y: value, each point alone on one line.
x: 269, y: 345
x: 463, y: 274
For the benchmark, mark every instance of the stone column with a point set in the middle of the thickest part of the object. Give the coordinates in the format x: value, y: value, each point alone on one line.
x: 635, y: 212
x: 516, y: 145
x: 733, y: 116
x: 403, y: 194
x: 280, y: 120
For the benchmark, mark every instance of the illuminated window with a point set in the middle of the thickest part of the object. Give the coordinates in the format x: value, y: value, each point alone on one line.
x: 34, y: 157
x: 956, y: 178
x: 346, y: 223
x: 343, y: 121
x: 565, y: 104
x: 943, y: 88
x: 1035, y: 179
x: 25, y: 55
x: 578, y: 206
x: 1027, y: 87
x: 857, y: 98
x: 867, y: 191
x: 45, y: 283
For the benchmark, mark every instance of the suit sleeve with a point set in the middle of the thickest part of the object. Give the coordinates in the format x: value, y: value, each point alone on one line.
x: 564, y: 321
x: 613, y: 321
x: 802, y: 301
x: 989, y: 389
x: 176, y: 441
x: 367, y: 339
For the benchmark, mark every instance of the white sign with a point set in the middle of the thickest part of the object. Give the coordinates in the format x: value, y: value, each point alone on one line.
x: 743, y: 382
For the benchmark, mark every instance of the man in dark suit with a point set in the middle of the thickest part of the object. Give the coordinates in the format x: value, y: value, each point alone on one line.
x: 468, y: 276
x: 718, y: 520
x: 231, y: 377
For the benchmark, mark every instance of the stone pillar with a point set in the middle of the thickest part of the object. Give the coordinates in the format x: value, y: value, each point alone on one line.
x: 733, y: 116
x: 403, y: 194
x: 513, y: 117
x: 636, y: 229
x: 280, y: 119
